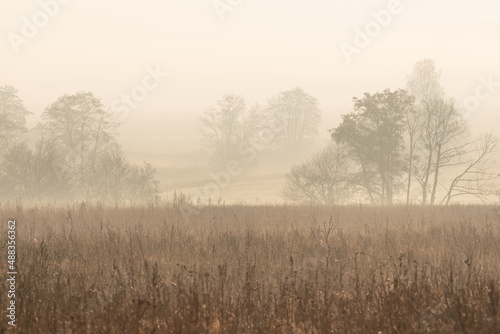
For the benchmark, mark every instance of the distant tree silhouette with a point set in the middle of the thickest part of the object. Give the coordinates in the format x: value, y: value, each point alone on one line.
x: 324, y: 179
x: 297, y: 117
x: 12, y: 117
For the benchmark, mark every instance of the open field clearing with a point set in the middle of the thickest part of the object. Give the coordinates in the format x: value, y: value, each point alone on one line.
x: 259, y: 269
x: 247, y: 192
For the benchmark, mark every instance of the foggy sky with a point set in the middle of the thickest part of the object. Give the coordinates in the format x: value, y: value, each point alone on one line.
x: 261, y: 48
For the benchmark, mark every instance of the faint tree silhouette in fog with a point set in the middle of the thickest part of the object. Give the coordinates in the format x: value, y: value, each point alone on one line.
x: 119, y: 180
x: 441, y: 153
x: 424, y: 82
x: 142, y: 182
x: 71, y: 154
x: 228, y: 124
x: 297, y: 117
x: 28, y: 173
x: 12, y: 117
x: 324, y: 179
x: 82, y: 130
x: 112, y: 171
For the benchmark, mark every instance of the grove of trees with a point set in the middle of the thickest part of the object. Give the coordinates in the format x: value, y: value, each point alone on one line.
x: 71, y: 154
x: 410, y: 146
x: 288, y: 121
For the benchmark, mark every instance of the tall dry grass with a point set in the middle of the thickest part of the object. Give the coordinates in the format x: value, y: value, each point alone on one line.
x: 263, y: 269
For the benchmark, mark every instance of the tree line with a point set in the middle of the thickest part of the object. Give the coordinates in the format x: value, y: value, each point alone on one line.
x: 231, y: 130
x: 72, y: 153
x: 409, y: 145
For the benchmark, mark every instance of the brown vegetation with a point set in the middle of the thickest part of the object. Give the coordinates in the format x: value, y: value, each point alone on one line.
x: 263, y: 269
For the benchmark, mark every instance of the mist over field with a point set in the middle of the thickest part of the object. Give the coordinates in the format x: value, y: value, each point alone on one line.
x: 236, y: 166
x: 200, y: 51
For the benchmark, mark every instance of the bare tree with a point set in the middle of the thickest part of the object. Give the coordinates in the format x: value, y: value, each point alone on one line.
x: 12, y: 116
x: 442, y: 136
x: 79, y: 122
x: 437, y: 132
x: 478, y: 171
x: 424, y: 85
x: 448, y: 129
x: 297, y: 115
x: 446, y: 146
x: 113, y: 169
x: 224, y: 127
x: 413, y: 127
x: 322, y: 180
x: 142, y: 182
x: 424, y: 82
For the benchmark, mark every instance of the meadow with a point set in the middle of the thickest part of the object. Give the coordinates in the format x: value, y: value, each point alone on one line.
x: 254, y: 269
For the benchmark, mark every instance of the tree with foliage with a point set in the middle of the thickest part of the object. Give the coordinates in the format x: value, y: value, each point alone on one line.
x: 12, y: 116
x: 82, y: 130
x: 374, y: 135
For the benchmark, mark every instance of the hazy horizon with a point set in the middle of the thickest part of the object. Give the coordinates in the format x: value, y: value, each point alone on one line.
x: 258, y: 50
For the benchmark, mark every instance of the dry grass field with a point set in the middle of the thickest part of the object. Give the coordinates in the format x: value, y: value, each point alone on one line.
x: 260, y: 269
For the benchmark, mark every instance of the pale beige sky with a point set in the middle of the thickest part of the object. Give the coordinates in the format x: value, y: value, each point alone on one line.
x: 261, y: 48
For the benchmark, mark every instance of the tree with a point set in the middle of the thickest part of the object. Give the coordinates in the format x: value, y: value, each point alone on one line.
x: 29, y: 173
x: 423, y: 84
x: 442, y: 136
x: 443, y: 144
x: 142, y: 182
x: 446, y: 127
x: 113, y: 170
x: 478, y: 171
x: 297, y: 115
x: 322, y: 180
x: 82, y: 130
x: 12, y: 116
x: 119, y: 180
x: 221, y: 127
x: 224, y: 127
x: 437, y: 126
x: 438, y: 137
x: 374, y: 135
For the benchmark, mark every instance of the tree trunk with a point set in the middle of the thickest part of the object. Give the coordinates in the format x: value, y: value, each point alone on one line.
x: 426, y: 180
x: 410, y: 171
x: 436, y: 175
